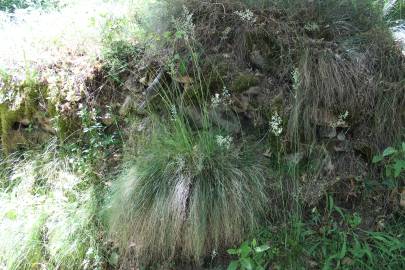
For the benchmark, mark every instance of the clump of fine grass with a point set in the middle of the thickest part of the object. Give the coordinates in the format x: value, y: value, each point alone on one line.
x: 48, y: 218
x: 187, y: 194
x: 327, y: 83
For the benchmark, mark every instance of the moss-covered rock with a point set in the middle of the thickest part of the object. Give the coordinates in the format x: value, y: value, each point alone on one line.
x: 19, y: 102
x: 7, y: 118
x: 243, y: 81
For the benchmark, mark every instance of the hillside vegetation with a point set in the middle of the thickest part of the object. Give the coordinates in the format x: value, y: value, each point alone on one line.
x: 186, y: 134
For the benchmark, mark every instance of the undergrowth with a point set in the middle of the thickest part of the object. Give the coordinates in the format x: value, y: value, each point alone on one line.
x: 244, y: 109
x: 329, y: 238
x: 49, y: 219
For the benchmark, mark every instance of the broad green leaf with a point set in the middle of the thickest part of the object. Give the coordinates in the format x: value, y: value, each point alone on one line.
x: 367, y: 251
x: 114, y: 259
x: 246, y: 263
x: 339, y: 210
x: 245, y: 250
x: 389, y: 151
x: 398, y: 167
x: 403, y: 146
x: 343, y: 249
x: 357, y: 250
x: 377, y: 158
x: 233, y: 265
x: 232, y: 251
x: 254, y: 242
x: 262, y: 248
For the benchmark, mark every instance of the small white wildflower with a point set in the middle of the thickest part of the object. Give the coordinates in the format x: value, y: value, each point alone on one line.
x: 223, y: 98
x: 296, y: 79
x: 276, y: 124
x: 214, y: 254
x: 225, y: 93
x: 93, y: 114
x: 312, y: 27
x: 224, y: 141
x: 216, y: 100
x: 173, y: 112
x: 90, y: 252
x: 341, y: 121
x: 344, y: 115
x: 185, y: 27
x: 246, y: 16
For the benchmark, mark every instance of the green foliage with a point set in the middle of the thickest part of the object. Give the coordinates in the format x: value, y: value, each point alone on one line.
x: 393, y: 160
x: 93, y: 145
x: 48, y: 216
x: 117, y: 57
x: 12, y: 5
x: 250, y: 256
x: 177, y: 198
x: 119, y: 49
x: 333, y: 239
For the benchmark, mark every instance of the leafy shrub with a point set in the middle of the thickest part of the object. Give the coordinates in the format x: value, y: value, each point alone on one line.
x: 251, y: 256
x: 394, y: 163
x: 119, y: 49
x: 117, y: 57
x: 187, y: 194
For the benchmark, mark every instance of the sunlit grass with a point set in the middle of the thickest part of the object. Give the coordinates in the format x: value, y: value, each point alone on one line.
x: 46, y: 220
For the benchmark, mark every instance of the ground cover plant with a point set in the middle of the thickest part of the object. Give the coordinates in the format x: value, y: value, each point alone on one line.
x: 202, y: 134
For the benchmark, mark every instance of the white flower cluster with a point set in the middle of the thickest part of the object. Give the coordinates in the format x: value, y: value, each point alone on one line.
x: 223, y: 98
x: 246, y: 16
x: 341, y: 120
x: 173, y: 112
x: 276, y: 124
x: 214, y: 254
x: 184, y: 26
x: 296, y: 80
x: 343, y: 116
x: 225, y: 142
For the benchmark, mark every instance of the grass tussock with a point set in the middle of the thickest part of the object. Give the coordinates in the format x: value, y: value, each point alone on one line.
x: 47, y: 220
x: 178, y: 197
x: 328, y: 85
